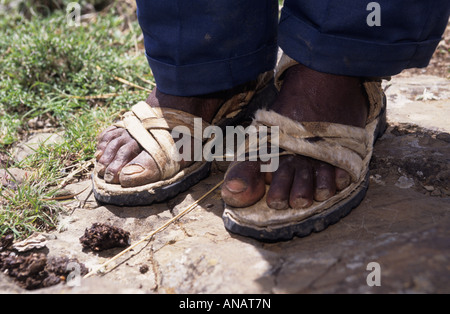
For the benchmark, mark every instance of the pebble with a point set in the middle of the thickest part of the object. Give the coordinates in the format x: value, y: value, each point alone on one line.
x: 405, y: 182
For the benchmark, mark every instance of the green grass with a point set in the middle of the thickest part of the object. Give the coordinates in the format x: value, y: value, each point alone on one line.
x: 52, y: 72
x: 28, y: 209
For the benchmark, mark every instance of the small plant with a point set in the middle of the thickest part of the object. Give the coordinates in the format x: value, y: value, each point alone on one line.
x: 28, y: 208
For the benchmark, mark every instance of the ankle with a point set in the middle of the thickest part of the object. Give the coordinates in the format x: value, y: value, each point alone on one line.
x: 201, y: 106
x: 311, y: 96
x: 204, y: 106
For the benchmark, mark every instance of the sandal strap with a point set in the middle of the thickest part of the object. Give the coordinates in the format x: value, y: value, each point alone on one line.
x: 151, y: 127
x: 340, y: 145
x: 376, y: 97
x: 235, y: 104
x: 169, y: 119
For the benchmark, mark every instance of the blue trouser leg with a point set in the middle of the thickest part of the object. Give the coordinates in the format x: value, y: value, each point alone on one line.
x: 334, y: 36
x: 203, y: 46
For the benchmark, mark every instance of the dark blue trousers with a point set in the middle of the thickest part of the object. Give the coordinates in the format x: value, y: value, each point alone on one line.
x: 197, y: 47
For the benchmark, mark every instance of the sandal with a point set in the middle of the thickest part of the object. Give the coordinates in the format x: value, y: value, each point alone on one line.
x: 346, y: 147
x: 151, y: 127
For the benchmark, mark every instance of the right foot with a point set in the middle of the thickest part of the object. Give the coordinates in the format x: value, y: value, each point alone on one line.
x: 121, y: 160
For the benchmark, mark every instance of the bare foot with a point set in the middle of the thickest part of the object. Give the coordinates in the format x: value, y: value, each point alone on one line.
x: 306, y: 96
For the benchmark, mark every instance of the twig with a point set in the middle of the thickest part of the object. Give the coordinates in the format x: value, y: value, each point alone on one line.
x: 177, y: 217
x: 81, y: 168
x: 102, y: 96
x: 65, y: 197
x: 146, y: 81
x: 124, y: 81
x: 84, y: 166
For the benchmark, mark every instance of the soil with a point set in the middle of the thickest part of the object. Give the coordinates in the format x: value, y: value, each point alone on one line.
x: 35, y: 270
x: 6, y: 242
x: 425, y: 167
x: 102, y: 237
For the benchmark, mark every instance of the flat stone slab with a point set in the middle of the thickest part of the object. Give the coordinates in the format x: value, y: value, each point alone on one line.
x: 27, y: 148
x: 421, y: 100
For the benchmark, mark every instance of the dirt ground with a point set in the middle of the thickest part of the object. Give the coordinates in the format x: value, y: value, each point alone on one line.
x: 403, y: 224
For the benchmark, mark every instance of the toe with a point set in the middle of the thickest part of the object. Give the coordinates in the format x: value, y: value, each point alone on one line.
x: 140, y: 171
x: 112, y: 150
x: 124, y: 155
x: 244, y: 184
x: 278, y: 194
x: 343, y: 179
x: 109, y: 154
x: 105, y: 138
x: 302, y: 191
x: 325, y: 182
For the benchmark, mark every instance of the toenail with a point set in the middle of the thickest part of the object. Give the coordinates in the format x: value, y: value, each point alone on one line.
x: 300, y: 203
x: 322, y: 194
x: 109, y: 176
x: 278, y: 204
x: 100, y: 169
x: 132, y: 169
x: 236, y: 185
x: 342, y: 182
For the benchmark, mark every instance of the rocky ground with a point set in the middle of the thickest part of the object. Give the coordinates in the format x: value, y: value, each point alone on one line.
x: 403, y: 224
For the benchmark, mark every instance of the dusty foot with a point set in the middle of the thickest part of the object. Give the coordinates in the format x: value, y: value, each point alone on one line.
x: 120, y: 158
x: 307, y: 96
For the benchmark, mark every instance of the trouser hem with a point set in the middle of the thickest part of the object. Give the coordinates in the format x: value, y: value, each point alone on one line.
x: 348, y: 56
x: 205, y: 78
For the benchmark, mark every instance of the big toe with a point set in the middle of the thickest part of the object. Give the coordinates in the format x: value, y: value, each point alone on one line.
x: 140, y: 171
x: 118, y: 152
x: 244, y: 184
x: 126, y: 153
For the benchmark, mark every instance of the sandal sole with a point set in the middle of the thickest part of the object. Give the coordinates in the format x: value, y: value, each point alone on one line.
x: 158, y: 195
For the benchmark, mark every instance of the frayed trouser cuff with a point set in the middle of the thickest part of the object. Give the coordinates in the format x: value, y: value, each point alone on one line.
x: 347, y: 56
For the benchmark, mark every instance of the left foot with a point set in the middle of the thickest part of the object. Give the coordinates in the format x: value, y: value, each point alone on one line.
x: 306, y: 96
